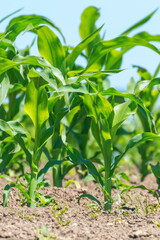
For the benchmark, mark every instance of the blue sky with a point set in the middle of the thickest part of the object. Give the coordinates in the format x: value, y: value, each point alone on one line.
x: 117, y: 16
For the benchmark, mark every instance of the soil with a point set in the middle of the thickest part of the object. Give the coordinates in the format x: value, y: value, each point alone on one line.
x: 66, y: 220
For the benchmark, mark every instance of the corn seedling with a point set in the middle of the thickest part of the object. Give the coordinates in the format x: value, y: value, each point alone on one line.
x: 58, y: 213
x: 44, y: 233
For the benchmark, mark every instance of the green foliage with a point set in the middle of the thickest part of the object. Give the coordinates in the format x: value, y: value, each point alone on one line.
x: 54, y: 108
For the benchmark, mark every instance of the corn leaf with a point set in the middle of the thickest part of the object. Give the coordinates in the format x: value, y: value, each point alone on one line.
x: 141, y: 187
x: 121, y: 113
x: 92, y: 198
x: 136, y: 99
x: 50, y: 47
x: 87, y: 26
x: 156, y: 169
x: 11, y: 14
x: 157, y: 223
x: 47, y: 168
x: 139, y: 23
x: 36, y: 103
x: 6, y: 194
x: 103, y: 47
x: 21, y: 142
x: 141, y: 85
x: 80, y: 47
x: 5, y: 84
x: 135, y: 141
x: 12, y: 127
x: 147, y: 37
x: 20, y: 23
x: 69, y: 182
x: 114, y: 59
x: 77, y: 158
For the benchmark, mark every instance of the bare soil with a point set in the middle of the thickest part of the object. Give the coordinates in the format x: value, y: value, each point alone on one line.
x: 68, y: 220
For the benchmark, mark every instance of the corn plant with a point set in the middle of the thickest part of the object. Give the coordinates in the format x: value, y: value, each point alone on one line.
x: 106, y: 119
x: 15, y: 139
x: 145, y: 88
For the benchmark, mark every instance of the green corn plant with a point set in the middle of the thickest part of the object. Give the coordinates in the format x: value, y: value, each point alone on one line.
x: 13, y: 78
x: 106, y: 119
x: 145, y: 88
x: 36, y: 107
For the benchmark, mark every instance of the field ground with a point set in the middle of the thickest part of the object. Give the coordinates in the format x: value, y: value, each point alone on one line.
x: 137, y: 220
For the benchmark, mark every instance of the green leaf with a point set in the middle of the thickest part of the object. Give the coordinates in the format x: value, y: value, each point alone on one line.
x: 7, y: 156
x: 47, y: 168
x: 5, y: 65
x: 77, y: 158
x: 104, y: 107
x: 156, y: 71
x: 11, y: 14
x: 37, y: 61
x: 147, y: 37
x: 144, y: 74
x: 17, y: 127
x: 155, y: 222
x: 140, y: 187
x: 114, y: 59
x: 141, y: 85
x: 69, y: 182
x: 46, y: 74
x: 80, y: 47
x: 3, y: 53
x: 23, y: 146
x: 156, y: 169
x: 8, y: 187
x: 24, y: 192
x: 46, y: 135
x: 96, y: 132
x: 134, y: 142
x: 20, y: 23
x: 90, y: 106
x: 134, y: 98
x: 7, y: 178
x: 5, y: 84
x: 121, y: 113
x: 87, y: 26
x: 77, y: 87
x: 50, y: 47
x: 91, y: 198
x: 97, y: 74
x: 139, y: 23
x: 36, y: 103
x: 6, y: 194
x: 103, y: 47
x: 12, y: 127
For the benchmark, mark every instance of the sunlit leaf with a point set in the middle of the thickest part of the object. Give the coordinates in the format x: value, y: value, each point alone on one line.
x: 20, y: 23
x: 139, y: 23
x: 133, y: 142
x: 36, y: 104
x: 50, y: 47
x: 87, y: 26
